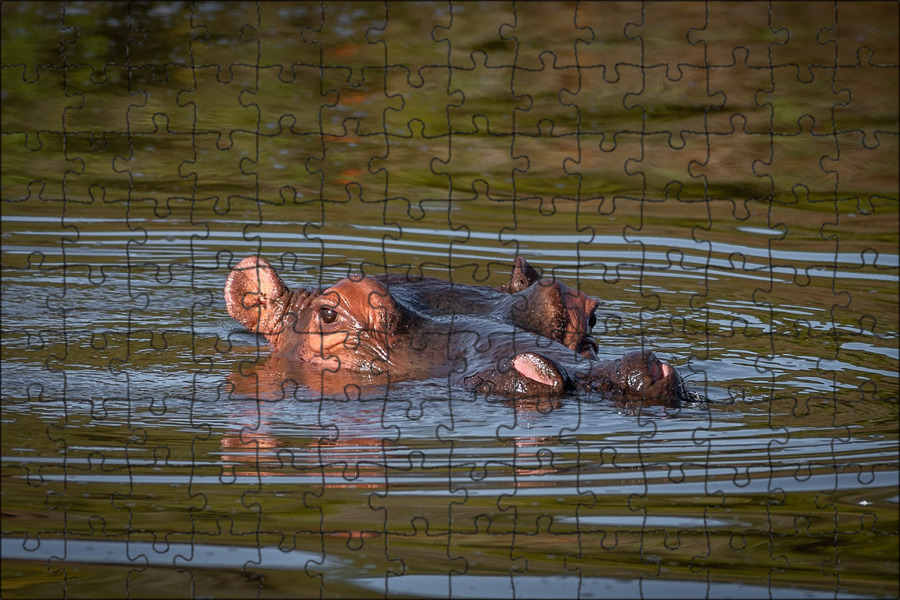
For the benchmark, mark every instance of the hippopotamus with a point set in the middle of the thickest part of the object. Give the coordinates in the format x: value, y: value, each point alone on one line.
x: 529, y: 338
x: 543, y: 306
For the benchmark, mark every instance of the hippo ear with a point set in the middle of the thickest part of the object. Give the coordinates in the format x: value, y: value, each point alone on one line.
x: 540, y: 370
x: 252, y: 292
x: 523, y: 276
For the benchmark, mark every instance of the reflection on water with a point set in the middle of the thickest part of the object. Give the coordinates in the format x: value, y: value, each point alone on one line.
x: 185, y: 556
x: 140, y: 554
x: 511, y: 586
x: 741, y: 220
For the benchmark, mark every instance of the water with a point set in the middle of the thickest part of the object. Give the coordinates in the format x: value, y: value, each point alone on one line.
x: 141, y: 456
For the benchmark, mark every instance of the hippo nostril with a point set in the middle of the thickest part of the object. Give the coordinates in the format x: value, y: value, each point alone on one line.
x: 588, y: 347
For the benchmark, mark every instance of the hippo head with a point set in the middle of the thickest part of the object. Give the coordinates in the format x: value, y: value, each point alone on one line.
x: 553, y: 309
x: 637, y: 376
x: 353, y: 324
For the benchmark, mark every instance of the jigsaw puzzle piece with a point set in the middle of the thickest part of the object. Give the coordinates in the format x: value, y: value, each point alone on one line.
x: 405, y: 22
x: 722, y: 47
x: 225, y: 41
x: 36, y: 72
x: 483, y: 68
x: 866, y: 88
x: 664, y: 40
x: 473, y: 30
x: 808, y: 41
x: 418, y: 223
x: 870, y: 26
x: 794, y: 100
x: 353, y: 66
x: 544, y: 178
x: 289, y: 100
x: 344, y: 167
x: 739, y: 91
x: 546, y: 68
x: 728, y: 172
x: 795, y: 169
x: 605, y: 42
x: 537, y: 45
x: 609, y: 72
x: 669, y: 69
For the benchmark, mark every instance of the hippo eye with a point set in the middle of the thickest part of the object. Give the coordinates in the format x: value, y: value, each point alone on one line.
x: 327, y: 315
x: 592, y: 321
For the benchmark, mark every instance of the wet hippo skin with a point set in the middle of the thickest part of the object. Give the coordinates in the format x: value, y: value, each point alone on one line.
x: 528, y: 338
x: 543, y: 306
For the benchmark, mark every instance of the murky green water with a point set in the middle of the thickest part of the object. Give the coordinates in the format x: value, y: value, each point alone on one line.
x: 735, y: 212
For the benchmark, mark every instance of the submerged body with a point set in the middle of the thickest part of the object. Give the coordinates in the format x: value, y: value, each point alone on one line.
x: 530, y: 338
